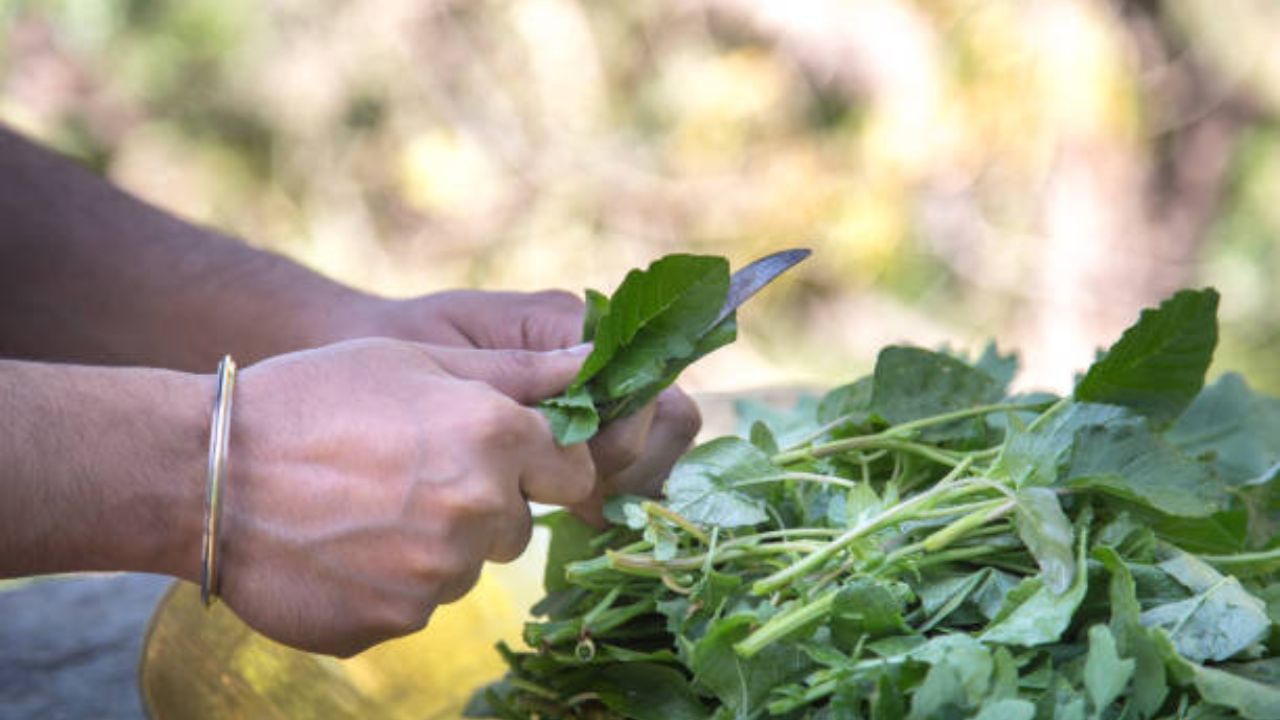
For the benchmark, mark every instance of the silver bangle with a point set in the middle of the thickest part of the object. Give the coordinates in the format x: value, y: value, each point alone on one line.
x: 219, y: 432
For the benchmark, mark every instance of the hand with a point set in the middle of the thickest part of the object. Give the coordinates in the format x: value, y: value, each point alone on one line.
x: 632, y: 455
x: 370, y: 480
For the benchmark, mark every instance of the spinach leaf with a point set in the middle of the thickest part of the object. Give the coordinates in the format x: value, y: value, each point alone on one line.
x: 912, y: 383
x: 705, y: 484
x: 1220, y: 620
x: 1129, y: 460
x: 1046, y: 531
x: 1235, y: 428
x: 1158, y: 365
x: 657, y: 322
x: 742, y: 684
x: 1035, y: 615
x: 1106, y: 674
x: 646, y: 691
x: 1249, y: 698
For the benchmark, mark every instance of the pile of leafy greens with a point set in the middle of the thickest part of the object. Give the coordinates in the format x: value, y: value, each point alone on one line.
x: 658, y: 321
x: 920, y: 544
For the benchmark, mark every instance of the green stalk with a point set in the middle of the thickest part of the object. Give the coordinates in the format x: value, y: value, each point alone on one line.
x: 910, y: 426
x: 782, y: 625
x: 1243, y: 558
x: 654, y: 509
x: 646, y: 563
x: 800, y: 477
x: 943, y: 490
x: 880, y: 441
x: 962, y: 526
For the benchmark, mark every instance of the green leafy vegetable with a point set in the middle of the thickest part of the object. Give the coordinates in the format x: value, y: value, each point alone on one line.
x: 658, y: 321
x: 1158, y: 365
x: 917, y: 544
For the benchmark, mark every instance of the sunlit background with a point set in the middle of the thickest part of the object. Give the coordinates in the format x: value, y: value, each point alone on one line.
x: 1033, y: 171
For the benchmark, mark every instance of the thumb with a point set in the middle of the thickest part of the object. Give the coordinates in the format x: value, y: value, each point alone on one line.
x: 525, y: 376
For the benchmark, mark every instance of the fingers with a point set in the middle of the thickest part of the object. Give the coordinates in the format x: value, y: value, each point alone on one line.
x: 544, y: 320
x: 512, y: 529
x: 522, y: 375
x: 620, y: 443
x: 553, y: 474
x: 675, y: 423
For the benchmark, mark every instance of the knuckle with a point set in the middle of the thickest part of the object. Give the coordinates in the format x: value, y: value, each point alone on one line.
x: 516, y: 540
x: 681, y: 412
x: 558, y: 300
x: 581, y: 483
x: 470, y: 499
x: 495, y: 421
x: 403, y: 618
x: 626, y: 454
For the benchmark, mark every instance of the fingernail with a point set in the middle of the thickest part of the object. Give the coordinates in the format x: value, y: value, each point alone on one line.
x: 582, y: 349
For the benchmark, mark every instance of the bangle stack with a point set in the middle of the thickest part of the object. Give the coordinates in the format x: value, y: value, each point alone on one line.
x: 219, y: 432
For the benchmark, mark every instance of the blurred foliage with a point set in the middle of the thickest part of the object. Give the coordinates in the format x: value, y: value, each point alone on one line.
x: 1032, y: 171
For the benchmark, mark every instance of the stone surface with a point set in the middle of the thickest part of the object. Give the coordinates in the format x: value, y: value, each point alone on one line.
x: 69, y: 646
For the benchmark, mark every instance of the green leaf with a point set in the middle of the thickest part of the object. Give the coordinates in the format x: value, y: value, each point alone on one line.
x: 1046, y: 532
x: 912, y: 383
x: 1007, y: 709
x: 718, y: 336
x: 1127, y: 459
x: 742, y: 684
x: 940, y: 695
x: 645, y: 691
x: 1150, y: 685
x: 1035, y: 615
x: 940, y: 598
x: 1001, y: 368
x: 1105, y: 674
x: 1271, y: 595
x: 865, y: 606
x: 657, y: 322
x: 846, y: 407
x: 572, y: 416
x: 703, y: 486
x: 570, y: 542
x: 1252, y: 700
x: 787, y: 425
x: 597, y: 307
x: 656, y: 315
x: 1238, y: 429
x: 676, y: 296
x: 959, y: 676
x: 1158, y: 365
x: 1039, y: 454
x: 1216, y: 623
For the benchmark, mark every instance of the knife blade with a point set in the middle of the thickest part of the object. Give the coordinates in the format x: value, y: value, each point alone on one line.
x: 749, y: 280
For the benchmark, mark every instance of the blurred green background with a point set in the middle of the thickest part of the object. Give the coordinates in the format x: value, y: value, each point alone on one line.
x: 1030, y: 170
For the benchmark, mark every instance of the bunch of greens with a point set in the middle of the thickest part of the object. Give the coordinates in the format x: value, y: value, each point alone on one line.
x: 919, y: 544
x: 657, y: 322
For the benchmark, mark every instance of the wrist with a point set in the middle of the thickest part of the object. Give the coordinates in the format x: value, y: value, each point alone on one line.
x: 170, y: 499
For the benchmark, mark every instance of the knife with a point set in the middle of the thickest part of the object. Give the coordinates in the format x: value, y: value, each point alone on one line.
x: 751, y: 279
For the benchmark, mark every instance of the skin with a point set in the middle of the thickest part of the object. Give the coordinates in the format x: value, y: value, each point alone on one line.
x: 369, y: 477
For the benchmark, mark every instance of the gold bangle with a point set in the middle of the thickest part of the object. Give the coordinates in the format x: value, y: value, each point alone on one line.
x: 219, y: 432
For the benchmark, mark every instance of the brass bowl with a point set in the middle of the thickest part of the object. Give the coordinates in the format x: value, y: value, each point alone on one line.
x: 208, y: 665
x: 199, y: 664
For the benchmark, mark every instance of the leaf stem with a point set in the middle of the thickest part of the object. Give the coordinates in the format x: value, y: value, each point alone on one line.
x: 1243, y: 558
x: 654, y: 509
x: 924, y: 422
x: 782, y: 625
x: 944, y: 489
x: 801, y: 477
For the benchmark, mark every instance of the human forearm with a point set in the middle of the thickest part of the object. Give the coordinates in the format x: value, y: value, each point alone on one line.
x: 91, y: 274
x: 101, y: 469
